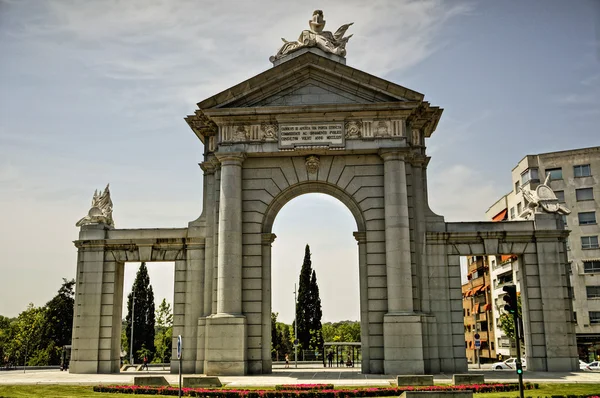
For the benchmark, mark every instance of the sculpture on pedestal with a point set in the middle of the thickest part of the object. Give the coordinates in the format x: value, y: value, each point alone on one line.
x: 542, y: 200
x: 333, y: 43
x: 100, y: 211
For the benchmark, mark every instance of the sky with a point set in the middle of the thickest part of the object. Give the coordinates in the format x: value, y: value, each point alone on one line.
x: 95, y: 92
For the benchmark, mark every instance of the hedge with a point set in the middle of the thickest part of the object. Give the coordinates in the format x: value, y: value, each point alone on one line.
x: 287, y: 387
x: 295, y: 392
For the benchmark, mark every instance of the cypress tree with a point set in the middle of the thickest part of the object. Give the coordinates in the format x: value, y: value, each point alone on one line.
x: 317, y: 314
x: 304, y: 304
x: 308, y: 307
x: 144, y: 318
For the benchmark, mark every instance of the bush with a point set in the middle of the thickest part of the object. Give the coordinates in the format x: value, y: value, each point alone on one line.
x: 306, y: 391
x: 304, y: 387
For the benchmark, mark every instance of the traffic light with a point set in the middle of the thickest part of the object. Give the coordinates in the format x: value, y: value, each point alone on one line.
x: 519, y: 367
x: 510, y: 298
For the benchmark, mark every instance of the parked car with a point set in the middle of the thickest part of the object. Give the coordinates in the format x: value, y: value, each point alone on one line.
x: 508, y: 364
x: 594, y: 365
x: 583, y: 365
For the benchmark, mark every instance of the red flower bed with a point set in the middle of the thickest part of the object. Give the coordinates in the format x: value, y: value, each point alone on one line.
x: 304, y: 392
x: 304, y: 387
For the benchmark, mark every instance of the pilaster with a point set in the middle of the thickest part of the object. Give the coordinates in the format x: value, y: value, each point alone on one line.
x: 266, y: 242
x: 361, y: 239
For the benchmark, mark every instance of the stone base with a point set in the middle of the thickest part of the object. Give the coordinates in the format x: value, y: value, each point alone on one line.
x: 195, y: 382
x: 403, y: 342
x: 437, y: 394
x: 313, y: 50
x: 152, y: 381
x: 415, y: 380
x: 226, y: 354
x: 462, y: 379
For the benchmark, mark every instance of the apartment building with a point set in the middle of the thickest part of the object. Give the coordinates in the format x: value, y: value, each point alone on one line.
x: 477, y: 311
x: 575, y: 179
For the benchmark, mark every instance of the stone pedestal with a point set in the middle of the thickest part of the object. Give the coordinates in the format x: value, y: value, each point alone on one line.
x: 403, y: 341
x: 226, y: 354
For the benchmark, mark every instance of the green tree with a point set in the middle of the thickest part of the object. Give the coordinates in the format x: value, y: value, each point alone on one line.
x: 164, y: 336
x: 507, y: 323
x: 27, y: 345
x: 308, y: 307
x: 344, y: 331
x: 316, y: 341
x: 286, y: 346
x: 59, y: 321
x: 143, y: 316
x: 275, y: 336
x: 304, y: 303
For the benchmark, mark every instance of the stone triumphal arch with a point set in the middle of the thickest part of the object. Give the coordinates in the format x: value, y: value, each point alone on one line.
x: 313, y: 124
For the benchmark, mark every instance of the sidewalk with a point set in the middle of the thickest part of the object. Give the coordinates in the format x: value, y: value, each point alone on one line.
x: 336, y: 376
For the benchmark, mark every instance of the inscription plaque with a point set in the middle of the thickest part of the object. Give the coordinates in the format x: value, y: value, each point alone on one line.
x: 327, y: 134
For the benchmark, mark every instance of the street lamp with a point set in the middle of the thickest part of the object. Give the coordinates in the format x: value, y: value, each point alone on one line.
x: 295, y: 328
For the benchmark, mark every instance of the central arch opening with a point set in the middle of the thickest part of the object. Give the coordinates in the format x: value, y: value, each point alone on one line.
x: 326, y: 225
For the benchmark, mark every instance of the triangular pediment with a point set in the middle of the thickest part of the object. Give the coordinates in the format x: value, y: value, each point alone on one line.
x: 311, y: 92
x: 310, y: 79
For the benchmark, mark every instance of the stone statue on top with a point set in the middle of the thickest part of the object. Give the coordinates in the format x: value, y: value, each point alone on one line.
x: 100, y: 211
x: 542, y: 200
x: 333, y: 43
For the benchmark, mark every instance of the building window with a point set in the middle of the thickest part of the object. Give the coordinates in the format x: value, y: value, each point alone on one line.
x: 591, y: 267
x: 593, y: 292
x: 587, y: 218
x: 560, y: 195
x: 512, y: 213
x: 594, y: 317
x: 583, y: 170
x: 529, y: 174
x: 589, y: 242
x: 555, y: 174
x: 568, y: 244
x: 493, y: 346
x: 519, y: 208
x: 574, y: 316
x: 584, y: 194
x: 517, y: 187
x: 564, y: 218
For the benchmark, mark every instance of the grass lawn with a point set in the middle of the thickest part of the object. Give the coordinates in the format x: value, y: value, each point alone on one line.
x: 57, y: 391
x: 65, y: 391
x: 548, y: 390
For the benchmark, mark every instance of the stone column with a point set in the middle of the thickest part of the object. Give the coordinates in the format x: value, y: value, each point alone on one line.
x: 267, y: 240
x: 226, y: 330
x: 229, y: 283
x: 402, y: 328
x: 397, y: 234
x: 361, y: 238
x: 550, y: 339
x: 98, y: 299
x: 209, y: 195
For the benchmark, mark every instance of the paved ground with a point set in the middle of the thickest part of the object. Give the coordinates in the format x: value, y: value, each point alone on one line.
x: 280, y: 375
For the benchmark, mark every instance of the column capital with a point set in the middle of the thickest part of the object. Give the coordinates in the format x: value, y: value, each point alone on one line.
x: 231, y: 158
x: 392, y: 154
x: 419, y: 160
x: 267, y: 238
x: 360, y: 236
x: 208, y: 167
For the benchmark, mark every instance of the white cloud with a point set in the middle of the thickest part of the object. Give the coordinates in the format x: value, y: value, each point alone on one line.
x: 461, y: 193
